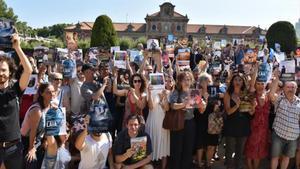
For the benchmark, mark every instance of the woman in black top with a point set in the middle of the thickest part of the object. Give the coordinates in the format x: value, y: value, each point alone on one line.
x: 237, y: 124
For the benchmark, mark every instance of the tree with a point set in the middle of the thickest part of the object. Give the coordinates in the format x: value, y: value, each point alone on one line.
x: 103, y: 33
x: 142, y: 39
x: 6, y: 12
x: 284, y: 33
x: 125, y: 43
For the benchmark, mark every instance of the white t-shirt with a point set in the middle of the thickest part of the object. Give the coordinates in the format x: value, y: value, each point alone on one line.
x: 94, y: 154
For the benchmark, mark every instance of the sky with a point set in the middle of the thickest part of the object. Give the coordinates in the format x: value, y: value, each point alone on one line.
x: 222, y: 12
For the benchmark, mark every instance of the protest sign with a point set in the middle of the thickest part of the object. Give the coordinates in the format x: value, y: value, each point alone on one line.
x: 264, y: 72
x: 32, y: 85
x: 139, y: 146
x: 153, y: 44
x: 6, y: 31
x: 40, y: 53
x: 170, y: 50
x: 194, y: 99
x: 217, y: 45
x: 157, y: 81
x: 56, y: 122
x: 120, y: 59
x: 100, y: 117
x: 62, y: 54
x: 114, y: 48
x: 72, y: 39
x: 69, y: 68
x: 223, y: 43
x: 136, y: 56
x: 183, y: 58
x: 287, y: 69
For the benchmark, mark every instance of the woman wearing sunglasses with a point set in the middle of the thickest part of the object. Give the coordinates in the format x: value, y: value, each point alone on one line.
x: 136, y: 98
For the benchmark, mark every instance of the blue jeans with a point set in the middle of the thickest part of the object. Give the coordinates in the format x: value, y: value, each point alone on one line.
x: 12, y: 156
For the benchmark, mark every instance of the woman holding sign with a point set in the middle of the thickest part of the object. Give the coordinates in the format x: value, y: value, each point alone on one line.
x: 237, y: 123
x: 158, y: 105
x: 182, y: 141
x: 33, y: 126
x: 136, y: 98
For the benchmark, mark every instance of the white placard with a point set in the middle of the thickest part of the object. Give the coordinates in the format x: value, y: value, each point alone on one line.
x: 157, y: 81
x: 32, y: 85
x: 120, y: 59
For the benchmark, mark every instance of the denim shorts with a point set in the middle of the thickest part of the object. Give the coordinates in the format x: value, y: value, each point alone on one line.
x: 282, y: 146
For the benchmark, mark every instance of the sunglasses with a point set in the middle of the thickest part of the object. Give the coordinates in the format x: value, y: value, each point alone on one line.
x: 137, y: 81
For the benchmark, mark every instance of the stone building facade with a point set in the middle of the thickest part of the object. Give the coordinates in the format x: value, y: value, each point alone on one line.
x: 167, y: 21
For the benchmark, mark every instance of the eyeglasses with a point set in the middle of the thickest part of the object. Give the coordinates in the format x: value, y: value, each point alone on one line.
x: 137, y: 81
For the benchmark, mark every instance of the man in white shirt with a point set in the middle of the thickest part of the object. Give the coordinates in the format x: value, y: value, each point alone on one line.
x: 95, y: 149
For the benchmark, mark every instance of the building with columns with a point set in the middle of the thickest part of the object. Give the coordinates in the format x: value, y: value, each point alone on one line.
x: 167, y: 21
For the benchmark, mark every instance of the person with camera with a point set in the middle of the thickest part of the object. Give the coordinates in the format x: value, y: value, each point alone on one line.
x: 10, y: 92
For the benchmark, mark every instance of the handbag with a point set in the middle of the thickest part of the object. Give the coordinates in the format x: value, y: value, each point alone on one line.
x: 215, y: 123
x: 174, y: 119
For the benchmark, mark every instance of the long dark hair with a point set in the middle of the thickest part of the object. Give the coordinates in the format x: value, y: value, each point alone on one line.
x: 143, y: 83
x: 41, y: 89
x: 230, y: 89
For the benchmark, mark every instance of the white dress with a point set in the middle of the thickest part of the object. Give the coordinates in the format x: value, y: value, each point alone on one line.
x: 160, y: 137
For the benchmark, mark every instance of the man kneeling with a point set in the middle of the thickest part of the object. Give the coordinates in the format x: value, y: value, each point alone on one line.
x: 132, y: 148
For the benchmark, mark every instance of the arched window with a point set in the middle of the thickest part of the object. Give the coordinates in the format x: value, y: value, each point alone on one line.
x: 178, y: 28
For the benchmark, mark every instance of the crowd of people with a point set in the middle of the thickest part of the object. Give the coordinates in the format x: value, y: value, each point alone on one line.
x: 257, y: 119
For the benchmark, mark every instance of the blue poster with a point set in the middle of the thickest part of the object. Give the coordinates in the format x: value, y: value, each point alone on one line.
x: 100, y: 117
x: 55, y: 122
x: 170, y: 38
x: 264, y: 72
x: 69, y: 68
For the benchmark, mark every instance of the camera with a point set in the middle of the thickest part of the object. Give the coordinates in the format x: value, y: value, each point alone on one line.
x: 6, y: 31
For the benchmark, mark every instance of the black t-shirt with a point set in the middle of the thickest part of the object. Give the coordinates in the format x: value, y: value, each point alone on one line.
x: 122, y: 143
x: 9, y: 112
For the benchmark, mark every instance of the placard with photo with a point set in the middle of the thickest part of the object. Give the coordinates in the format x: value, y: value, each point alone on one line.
x: 62, y: 54
x: 72, y: 39
x: 114, y: 48
x: 6, y: 31
x: 287, y: 69
x: 223, y: 43
x: 40, y: 53
x: 264, y: 72
x: 170, y: 50
x: 76, y: 55
x: 153, y: 44
x: 194, y: 99
x: 120, y: 59
x: 157, y: 81
x: 139, y: 146
x: 183, y: 58
x: 217, y: 45
x: 136, y: 56
x: 32, y: 85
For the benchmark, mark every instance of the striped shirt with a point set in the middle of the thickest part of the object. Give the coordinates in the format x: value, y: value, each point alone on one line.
x: 286, y: 123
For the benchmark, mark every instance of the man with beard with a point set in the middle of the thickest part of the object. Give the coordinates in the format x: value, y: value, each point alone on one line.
x: 286, y: 123
x: 10, y: 92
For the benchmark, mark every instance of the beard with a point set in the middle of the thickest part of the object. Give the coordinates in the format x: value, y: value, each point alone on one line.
x: 3, y: 79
